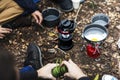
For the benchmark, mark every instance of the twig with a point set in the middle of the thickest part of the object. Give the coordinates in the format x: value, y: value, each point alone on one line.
x: 118, y: 61
x: 42, y: 26
x: 78, y: 12
x: 62, y: 51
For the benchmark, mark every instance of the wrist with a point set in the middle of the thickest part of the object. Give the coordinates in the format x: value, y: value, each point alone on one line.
x: 80, y: 76
x: 39, y: 73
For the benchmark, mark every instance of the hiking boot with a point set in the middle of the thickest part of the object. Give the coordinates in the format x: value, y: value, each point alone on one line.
x: 65, y: 5
x: 21, y: 21
x: 33, y: 56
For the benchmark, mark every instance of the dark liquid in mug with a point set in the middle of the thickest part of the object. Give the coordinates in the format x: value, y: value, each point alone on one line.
x: 51, y: 17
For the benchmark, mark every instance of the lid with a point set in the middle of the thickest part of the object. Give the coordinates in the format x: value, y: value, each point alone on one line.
x: 66, y: 26
x: 66, y: 23
x: 108, y: 77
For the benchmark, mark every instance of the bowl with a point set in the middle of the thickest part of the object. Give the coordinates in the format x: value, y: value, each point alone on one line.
x: 95, y: 33
x: 51, y: 17
x: 100, y: 19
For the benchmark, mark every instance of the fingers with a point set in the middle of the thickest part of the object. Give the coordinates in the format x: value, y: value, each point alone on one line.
x: 66, y: 63
x: 52, y: 65
x: 2, y: 36
x: 71, y: 62
x: 37, y: 16
x: 5, y: 30
x: 40, y: 18
x: 66, y: 74
x: 51, y: 77
x: 36, y: 19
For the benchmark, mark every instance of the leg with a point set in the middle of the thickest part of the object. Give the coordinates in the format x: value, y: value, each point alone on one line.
x: 65, y: 5
x: 32, y: 63
x: 36, y: 1
x: 28, y: 73
x: 10, y: 11
x: 34, y: 56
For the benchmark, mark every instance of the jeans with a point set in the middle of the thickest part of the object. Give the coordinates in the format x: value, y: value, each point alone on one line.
x: 35, y: 1
x: 26, y: 69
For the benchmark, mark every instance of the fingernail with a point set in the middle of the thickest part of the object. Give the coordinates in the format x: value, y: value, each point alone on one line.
x: 1, y: 37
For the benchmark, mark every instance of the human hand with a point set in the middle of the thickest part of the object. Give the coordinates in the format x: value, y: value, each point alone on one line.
x: 73, y: 70
x: 4, y: 31
x: 37, y: 16
x: 45, y: 71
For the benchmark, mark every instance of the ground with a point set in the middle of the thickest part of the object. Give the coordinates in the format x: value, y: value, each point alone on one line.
x: 46, y: 38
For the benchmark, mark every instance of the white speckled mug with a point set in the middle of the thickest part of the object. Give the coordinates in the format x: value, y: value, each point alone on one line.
x: 76, y: 4
x: 108, y: 77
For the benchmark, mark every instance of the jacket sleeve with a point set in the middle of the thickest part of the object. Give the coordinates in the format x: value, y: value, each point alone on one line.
x: 28, y: 75
x: 84, y: 78
x: 28, y: 5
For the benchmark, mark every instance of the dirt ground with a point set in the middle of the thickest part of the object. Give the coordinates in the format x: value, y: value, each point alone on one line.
x: 46, y: 38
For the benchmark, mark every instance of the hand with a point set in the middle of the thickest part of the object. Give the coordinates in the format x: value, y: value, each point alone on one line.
x: 37, y: 16
x: 3, y: 31
x: 73, y: 70
x: 45, y: 71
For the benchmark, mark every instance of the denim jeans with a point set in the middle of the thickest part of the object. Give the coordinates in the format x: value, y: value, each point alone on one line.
x: 26, y: 69
x: 35, y: 1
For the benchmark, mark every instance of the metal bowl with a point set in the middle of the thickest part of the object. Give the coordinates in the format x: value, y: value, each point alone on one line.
x: 100, y: 19
x: 95, y: 33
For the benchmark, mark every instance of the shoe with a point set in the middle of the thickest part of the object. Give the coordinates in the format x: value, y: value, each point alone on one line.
x: 21, y: 21
x: 34, y: 56
x: 65, y: 5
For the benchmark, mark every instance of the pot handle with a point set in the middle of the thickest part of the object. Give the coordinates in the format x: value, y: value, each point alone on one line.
x: 83, y: 35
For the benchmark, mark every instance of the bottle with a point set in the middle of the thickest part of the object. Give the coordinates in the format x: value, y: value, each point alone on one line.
x: 59, y: 71
x: 92, y: 51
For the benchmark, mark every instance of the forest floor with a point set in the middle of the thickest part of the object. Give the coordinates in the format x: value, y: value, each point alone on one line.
x: 46, y: 38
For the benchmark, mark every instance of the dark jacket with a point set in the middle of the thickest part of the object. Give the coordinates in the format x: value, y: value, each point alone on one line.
x: 84, y: 78
x: 28, y: 5
x: 33, y: 75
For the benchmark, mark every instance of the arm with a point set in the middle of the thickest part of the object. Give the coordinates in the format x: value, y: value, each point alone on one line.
x: 27, y: 5
x: 28, y: 73
x: 45, y: 72
x: 30, y: 8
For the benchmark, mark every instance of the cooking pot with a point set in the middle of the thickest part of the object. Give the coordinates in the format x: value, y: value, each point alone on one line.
x: 95, y: 33
x: 100, y: 19
x: 51, y: 17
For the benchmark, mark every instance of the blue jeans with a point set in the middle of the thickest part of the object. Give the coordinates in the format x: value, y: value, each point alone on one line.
x: 26, y: 69
x: 35, y: 1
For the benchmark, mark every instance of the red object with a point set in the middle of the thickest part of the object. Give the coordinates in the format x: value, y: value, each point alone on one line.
x: 92, y: 51
x: 63, y: 32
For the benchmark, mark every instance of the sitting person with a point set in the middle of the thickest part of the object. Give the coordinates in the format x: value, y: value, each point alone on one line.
x: 33, y: 67
x: 14, y: 13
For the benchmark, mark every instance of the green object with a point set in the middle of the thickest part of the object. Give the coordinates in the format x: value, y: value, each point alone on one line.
x: 59, y: 71
x: 96, y: 77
